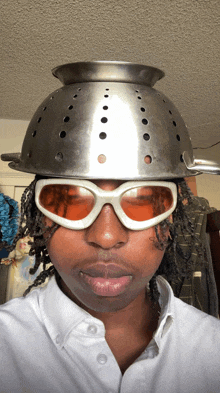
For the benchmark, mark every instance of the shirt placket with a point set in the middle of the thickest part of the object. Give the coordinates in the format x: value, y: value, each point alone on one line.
x: 88, y: 348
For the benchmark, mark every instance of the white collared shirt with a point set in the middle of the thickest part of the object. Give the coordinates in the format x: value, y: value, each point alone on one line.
x: 49, y: 344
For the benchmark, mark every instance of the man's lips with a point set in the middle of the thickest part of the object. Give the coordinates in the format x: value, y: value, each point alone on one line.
x: 106, y: 279
x: 106, y: 270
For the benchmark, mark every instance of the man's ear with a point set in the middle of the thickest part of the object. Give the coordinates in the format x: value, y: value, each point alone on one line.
x: 170, y: 218
x: 48, y: 224
x: 47, y: 221
x: 167, y: 232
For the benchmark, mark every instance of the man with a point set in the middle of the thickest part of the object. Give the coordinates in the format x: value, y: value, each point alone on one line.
x: 110, y: 154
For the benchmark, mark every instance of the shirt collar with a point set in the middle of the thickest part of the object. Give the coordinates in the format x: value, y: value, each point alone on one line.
x: 61, y: 315
x: 166, y: 302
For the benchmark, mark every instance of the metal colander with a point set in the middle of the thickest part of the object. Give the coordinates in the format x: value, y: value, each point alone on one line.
x: 108, y: 122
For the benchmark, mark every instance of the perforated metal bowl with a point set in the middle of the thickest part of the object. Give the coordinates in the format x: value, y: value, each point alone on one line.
x: 107, y: 122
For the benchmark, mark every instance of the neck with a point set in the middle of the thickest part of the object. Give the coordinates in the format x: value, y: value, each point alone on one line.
x: 134, y: 324
x: 139, y: 315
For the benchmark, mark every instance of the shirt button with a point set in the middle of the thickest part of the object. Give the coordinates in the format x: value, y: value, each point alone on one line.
x: 92, y: 329
x: 101, y: 358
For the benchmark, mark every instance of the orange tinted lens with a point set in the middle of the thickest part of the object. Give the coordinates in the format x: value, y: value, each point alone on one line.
x: 71, y: 202
x: 144, y: 203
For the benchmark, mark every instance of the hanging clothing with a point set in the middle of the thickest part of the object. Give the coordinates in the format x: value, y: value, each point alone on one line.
x: 200, y: 290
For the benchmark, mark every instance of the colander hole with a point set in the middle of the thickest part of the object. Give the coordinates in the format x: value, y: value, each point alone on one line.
x: 75, y: 96
x: 102, y: 135
x: 29, y: 154
x: 174, y: 123
x: 139, y: 97
x: 44, y: 108
x: 79, y: 89
x: 66, y: 119
x: 146, y: 137
x: 104, y: 119
x: 70, y: 107
x: 178, y: 137
x: 52, y: 97
x: 164, y: 101
x: 137, y: 91
x: 106, y: 95
x: 147, y: 159
x: 107, y: 89
x: 105, y: 107
x: 39, y: 120
x: 142, y: 109
x: 170, y: 112
x: 145, y: 121
x: 34, y: 133
x: 59, y: 157
x: 101, y: 158
x: 181, y: 158
x: 62, y: 134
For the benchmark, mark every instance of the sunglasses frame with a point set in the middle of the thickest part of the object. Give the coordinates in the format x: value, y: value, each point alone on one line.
x: 103, y: 197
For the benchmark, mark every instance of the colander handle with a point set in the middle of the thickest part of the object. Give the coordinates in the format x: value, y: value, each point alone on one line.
x: 201, y: 165
x: 15, y: 157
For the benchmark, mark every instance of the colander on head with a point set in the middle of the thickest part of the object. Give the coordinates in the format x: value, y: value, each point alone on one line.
x: 108, y: 122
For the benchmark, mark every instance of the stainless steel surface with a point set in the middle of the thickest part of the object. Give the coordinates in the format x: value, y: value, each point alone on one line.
x: 105, y: 71
x: 112, y: 129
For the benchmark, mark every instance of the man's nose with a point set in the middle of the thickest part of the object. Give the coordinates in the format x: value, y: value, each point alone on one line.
x: 107, y: 231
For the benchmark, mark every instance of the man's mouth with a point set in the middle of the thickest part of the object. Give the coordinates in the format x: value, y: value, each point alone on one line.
x: 106, y: 279
x: 106, y: 270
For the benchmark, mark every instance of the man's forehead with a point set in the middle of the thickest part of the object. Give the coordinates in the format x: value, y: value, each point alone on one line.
x: 104, y: 182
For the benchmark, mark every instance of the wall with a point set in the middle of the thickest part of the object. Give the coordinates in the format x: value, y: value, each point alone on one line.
x: 12, y: 133
x: 208, y: 186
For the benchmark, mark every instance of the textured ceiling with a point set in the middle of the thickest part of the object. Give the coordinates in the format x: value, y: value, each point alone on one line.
x: 180, y: 37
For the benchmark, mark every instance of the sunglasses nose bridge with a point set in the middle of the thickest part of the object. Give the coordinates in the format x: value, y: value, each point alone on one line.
x: 107, y: 199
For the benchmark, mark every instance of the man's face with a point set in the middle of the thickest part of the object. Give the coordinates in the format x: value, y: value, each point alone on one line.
x: 105, y: 266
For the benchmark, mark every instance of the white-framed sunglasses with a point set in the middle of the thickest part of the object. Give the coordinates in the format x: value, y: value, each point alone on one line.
x: 75, y: 204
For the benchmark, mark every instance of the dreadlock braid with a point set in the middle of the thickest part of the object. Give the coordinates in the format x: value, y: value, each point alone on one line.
x: 41, y: 278
x: 32, y: 224
x: 154, y: 293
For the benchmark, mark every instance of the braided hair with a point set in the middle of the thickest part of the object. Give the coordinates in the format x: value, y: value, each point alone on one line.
x: 176, y: 263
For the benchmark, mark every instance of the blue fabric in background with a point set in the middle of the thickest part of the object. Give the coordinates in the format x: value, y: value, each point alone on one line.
x: 3, y: 253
